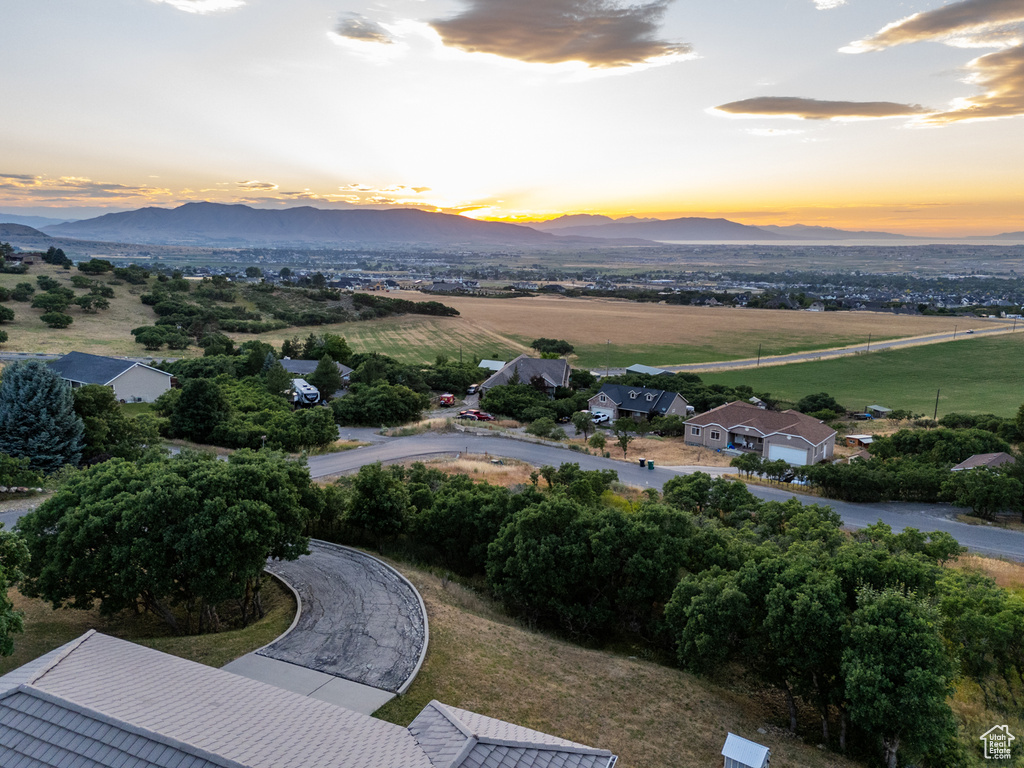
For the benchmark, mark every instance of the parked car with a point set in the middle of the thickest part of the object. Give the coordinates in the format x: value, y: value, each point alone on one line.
x: 484, y: 416
x: 473, y: 389
x: 467, y: 415
x: 601, y: 418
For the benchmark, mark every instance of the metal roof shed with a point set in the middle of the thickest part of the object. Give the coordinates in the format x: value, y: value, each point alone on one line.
x: 879, y: 411
x: 742, y: 753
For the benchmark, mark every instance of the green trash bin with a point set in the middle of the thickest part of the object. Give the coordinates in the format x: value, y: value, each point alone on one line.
x: 650, y: 464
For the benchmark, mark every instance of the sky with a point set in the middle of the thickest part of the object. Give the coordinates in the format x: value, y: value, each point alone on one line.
x: 896, y: 115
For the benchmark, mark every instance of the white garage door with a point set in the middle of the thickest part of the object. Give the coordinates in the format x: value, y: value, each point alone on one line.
x: 792, y: 455
x: 603, y: 412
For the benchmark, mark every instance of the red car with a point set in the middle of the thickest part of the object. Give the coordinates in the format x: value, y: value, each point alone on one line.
x: 474, y: 413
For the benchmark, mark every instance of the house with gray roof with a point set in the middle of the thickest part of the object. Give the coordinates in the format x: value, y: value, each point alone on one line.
x: 132, y: 382
x: 984, y: 461
x: 101, y: 702
x: 553, y: 373
x: 303, y: 368
x: 788, y: 435
x: 638, y: 403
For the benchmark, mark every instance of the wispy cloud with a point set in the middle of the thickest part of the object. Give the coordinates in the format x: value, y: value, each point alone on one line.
x: 357, y: 27
x: 256, y: 185
x: 203, y: 6
x: 1001, y: 75
x: 949, y: 21
x: 826, y: 5
x: 815, y: 109
x: 600, y: 33
x: 74, y: 188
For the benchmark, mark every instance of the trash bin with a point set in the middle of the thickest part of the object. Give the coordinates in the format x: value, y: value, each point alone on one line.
x: 643, y: 462
x: 650, y: 465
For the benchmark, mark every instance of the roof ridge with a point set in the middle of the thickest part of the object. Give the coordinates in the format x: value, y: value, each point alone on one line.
x: 71, y: 647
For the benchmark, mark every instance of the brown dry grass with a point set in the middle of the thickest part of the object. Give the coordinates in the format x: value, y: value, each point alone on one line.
x: 663, y: 451
x: 652, y: 716
x: 1005, y: 573
x: 595, y: 321
x: 508, y: 473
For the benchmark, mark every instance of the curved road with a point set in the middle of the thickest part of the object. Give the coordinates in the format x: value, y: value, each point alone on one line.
x: 984, y: 539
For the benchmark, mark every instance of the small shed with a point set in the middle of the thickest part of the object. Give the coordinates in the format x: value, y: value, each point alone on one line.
x: 742, y: 753
x: 859, y: 441
x: 878, y: 411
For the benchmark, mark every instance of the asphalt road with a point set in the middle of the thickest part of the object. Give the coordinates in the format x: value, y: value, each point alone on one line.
x: 983, y: 539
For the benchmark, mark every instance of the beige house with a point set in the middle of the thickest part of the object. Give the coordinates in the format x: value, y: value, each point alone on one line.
x: 788, y: 435
x: 132, y: 382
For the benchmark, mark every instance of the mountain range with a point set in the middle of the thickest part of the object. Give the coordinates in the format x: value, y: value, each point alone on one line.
x: 218, y: 225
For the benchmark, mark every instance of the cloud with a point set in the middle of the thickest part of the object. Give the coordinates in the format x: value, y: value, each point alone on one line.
x: 358, y: 27
x: 814, y: 109
x: 827, y: 5
x: 1001, y: 74
x: 203, y: 6
x: 255, y: 185
x: 600, y: 33
x: 950, y: 21
x: 72, y: 188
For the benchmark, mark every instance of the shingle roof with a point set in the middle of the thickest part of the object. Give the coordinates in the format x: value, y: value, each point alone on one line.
x: 739, y: 414
x: 94, y: 369
x: 100, y: 702
x: 306, y: 367
x: 458, y: 738
x: 554, y: 372
x: 229, y: 716
x: 985, y: 460
x: 636, y: 398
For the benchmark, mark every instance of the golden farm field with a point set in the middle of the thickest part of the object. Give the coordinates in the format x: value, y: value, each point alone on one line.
x: 619, y: 333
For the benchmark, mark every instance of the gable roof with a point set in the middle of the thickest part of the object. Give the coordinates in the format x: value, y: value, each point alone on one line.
x: 740, y: 414
x: 745, y: 751
x: 306, y: 367
x: 84, y: 368
x: 984, y: 460
x: 100, y: 702
x: 639, y: 399
x: 638, y: 368
x: 456, y: 738
x: 555, y: 373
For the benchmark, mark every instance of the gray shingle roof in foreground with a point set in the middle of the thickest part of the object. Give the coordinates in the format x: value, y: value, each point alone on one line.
x: 457, y: 738
x: 100, y: 702
x: 94, y: 369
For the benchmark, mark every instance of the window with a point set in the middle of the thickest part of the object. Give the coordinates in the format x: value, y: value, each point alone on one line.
x: 716, y: 435
x: 695, y: 431
x: 604, y: 399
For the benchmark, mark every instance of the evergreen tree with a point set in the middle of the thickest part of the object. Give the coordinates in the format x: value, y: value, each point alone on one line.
x: 326, y: 378
x: 37, y: 417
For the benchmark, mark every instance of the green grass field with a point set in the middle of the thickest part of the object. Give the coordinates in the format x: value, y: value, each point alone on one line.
x: 971, y: 375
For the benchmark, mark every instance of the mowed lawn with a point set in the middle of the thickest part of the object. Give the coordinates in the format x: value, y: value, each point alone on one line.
x: 972, y: 375
x: 617, y: 333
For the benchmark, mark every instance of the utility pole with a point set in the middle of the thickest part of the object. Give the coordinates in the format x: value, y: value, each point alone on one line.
x: 869, y: 342
x: 607, y: 357
x: 460, y: 354
x: 935, y: 416
x: 954, y: 333
x: 758, y: 355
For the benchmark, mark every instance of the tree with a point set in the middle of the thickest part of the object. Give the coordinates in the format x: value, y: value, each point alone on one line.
x: 582, y: 422
x: 199, y: 410
x: 108, y: 432
x: 983, y: 491
x: 95, y: 266
x: 326, y: 378
x: 3, y: 336
x: 57, y: 319
x: 51, y: 302
x: 380, y: 502
x: 597, y: 441
x: 191, y: 531
x: 13, y: 557
x: 898, y: 673
x: 279, y: 380
x: 253, y: 272
x: 558, y: 347
x: 37, y: 417
x: 6, y: 314
x: 822, y: 401
x: 383, y: 404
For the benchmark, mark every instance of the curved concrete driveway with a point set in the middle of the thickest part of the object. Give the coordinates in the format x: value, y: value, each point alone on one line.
x: 359, y: 637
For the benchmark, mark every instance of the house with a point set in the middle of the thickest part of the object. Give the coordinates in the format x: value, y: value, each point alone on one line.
x: 638, y: 403
x: 984, y: 460
x: 649, y: 370
x: 743, y: 753
x: 132, y: 382
x: 100, y: 702
x: 816, y: 306
x: 787, y: 435
x: 554, y: 374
